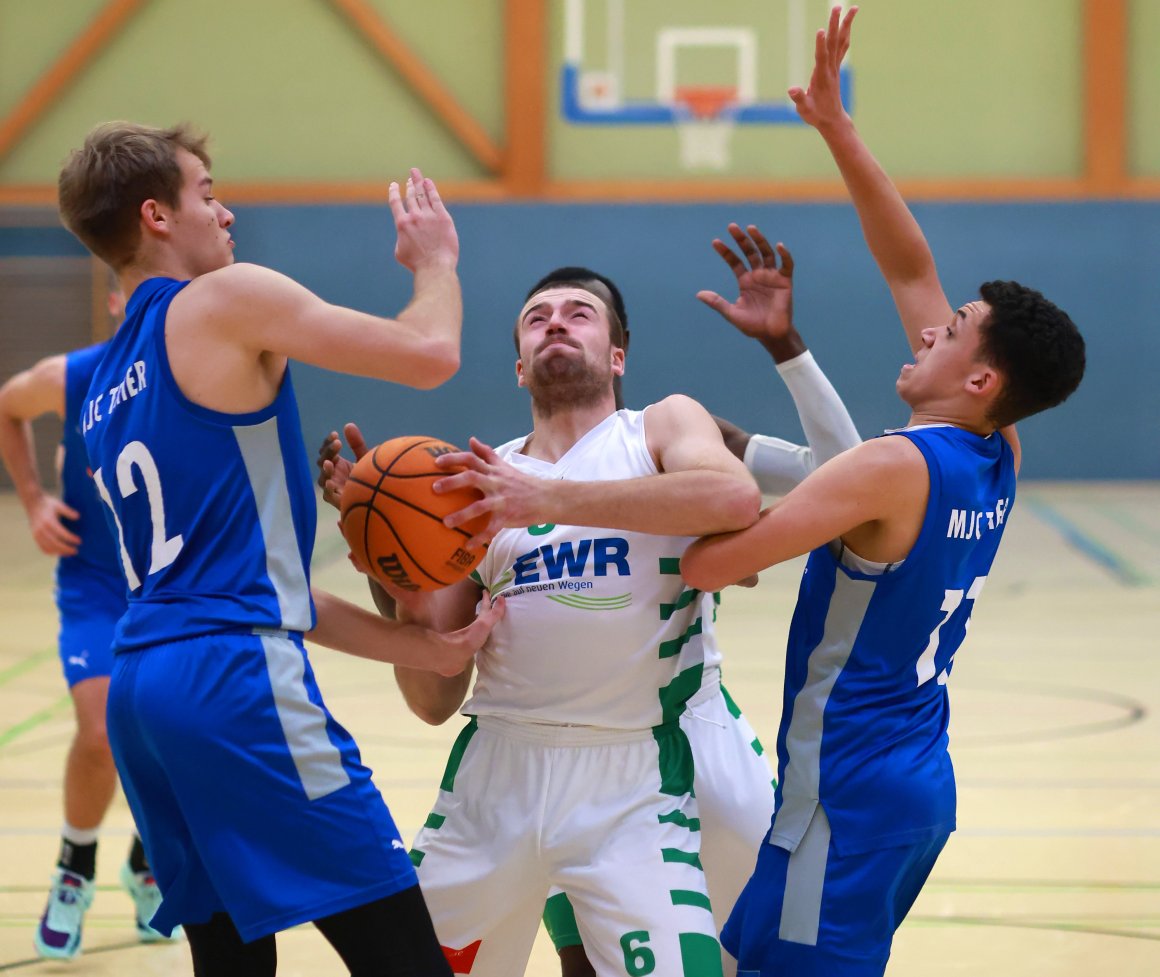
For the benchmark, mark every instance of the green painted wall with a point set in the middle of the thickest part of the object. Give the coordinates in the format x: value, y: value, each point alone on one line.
x: 1143, y: 87
x: 287, y: 89
x: 970, y: 88
x: 980, y: 88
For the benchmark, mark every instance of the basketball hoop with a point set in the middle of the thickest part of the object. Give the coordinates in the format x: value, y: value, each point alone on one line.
x: 705, y: 117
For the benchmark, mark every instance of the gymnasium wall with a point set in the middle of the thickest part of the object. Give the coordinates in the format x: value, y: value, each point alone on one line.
x: 986, y: 112
x: 660, y: 256
x: 295, y: 90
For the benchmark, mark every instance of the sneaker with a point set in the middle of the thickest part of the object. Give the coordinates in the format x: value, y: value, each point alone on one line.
x: 142, y: 887
x: 59, y: 934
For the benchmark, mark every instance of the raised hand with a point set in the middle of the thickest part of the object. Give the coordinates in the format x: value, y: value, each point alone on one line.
x: 333, y: 468
x: 764, y: 306
x: 821, y: 102
x: 427, y: 236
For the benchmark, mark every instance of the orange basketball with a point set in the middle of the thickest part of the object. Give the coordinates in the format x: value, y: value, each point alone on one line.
x: 393, y: 521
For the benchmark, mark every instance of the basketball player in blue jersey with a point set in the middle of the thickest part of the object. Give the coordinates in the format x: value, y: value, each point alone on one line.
x: 252, y: 801
x: 90, y: 598
x: 901, y: 533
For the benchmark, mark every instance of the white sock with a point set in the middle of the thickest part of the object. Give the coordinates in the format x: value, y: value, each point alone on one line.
x: 79, y: 836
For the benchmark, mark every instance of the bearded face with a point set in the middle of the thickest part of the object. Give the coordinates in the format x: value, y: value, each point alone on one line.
x: 567, y: 359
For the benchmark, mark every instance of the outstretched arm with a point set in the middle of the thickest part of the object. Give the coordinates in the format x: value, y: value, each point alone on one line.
x: 764, y: 311
x: 346, y: 627
x: 227, y: 320
x: 872, y: 497
x: 25, y: 397
x: 893, y: 235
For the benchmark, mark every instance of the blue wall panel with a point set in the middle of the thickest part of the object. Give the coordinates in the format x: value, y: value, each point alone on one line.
x: 1096, y: 259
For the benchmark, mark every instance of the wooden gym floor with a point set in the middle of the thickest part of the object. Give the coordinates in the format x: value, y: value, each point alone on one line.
x: 1055, y: 869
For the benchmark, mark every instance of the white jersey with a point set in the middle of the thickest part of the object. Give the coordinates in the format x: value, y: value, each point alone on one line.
x: 600, y: 629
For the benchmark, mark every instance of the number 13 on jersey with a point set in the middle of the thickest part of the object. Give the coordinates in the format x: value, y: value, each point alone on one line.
x: 925, y: 667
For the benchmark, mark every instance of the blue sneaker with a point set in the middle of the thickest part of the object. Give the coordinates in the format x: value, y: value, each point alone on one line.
x: 142, y: 887
x: 58, y: 936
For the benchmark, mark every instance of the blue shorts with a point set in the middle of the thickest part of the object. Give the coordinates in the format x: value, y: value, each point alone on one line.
x: 249, y: 797
x: 89, y: 605
x: 815, y: 913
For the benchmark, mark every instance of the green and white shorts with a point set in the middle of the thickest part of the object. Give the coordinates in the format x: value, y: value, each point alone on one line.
x: 607, y: 816
x: 734, y: 788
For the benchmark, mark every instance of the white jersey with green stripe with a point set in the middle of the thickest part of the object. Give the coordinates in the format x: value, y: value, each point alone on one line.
x: 600, y: 629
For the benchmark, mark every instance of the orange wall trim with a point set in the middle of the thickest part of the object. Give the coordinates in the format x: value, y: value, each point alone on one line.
x: 631, y: 191
x: 526, y: 95
x: 388, y: 45
x: 1105, y: 84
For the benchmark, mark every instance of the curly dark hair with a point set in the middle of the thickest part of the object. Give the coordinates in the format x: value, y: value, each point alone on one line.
x: 1034, y: 345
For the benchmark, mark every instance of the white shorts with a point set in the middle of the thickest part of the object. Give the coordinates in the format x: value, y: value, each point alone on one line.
x: 733, y: 783
x: 607, y: 816
x: 734, y: 787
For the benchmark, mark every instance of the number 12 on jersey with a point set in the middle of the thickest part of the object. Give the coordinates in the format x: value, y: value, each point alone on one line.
x: 165, y: 548
x: 924, y: 668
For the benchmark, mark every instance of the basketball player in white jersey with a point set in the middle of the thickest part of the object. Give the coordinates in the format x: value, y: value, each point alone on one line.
x: 573, y: 770
x: 732, y: 776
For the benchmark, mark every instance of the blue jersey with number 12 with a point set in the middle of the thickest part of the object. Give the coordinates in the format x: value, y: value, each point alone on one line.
x: 214, y: 513
x: 865, y: 710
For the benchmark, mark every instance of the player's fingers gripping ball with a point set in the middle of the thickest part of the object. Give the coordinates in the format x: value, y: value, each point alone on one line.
x: 393, y: 521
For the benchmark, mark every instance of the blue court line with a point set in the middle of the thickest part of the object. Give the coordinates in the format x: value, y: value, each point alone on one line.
x: 1094, y: 550
x: 1133, y: 524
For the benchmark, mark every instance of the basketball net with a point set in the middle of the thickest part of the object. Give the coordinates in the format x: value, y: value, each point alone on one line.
x: 704, y: 124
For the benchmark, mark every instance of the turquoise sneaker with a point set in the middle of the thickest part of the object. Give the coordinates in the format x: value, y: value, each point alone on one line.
x: 58, y: 937
x: 142, y: 887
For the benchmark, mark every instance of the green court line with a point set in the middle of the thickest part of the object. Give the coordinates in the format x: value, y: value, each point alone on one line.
x: 26, y: 665
x: 36, y: 719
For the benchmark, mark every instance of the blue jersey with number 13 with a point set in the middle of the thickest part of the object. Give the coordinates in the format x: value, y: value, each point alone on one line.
x: 214, y: 513
x: 865, y: 710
